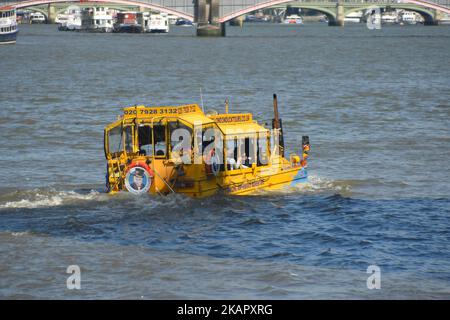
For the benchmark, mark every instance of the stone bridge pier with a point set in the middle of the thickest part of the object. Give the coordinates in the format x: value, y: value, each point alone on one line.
x: 340, y: 16
x: 206, y: 15
x: 51, y: 13
x: 437, y: 17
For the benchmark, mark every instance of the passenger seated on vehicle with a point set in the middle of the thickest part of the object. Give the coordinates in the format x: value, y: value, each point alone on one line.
x: 241, y: 162
x: 231, y: 164
x: 231, y: 161
x: 146, y: 150
x: 160, y: 148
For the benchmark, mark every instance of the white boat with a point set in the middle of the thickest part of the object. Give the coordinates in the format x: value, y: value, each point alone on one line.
x: 70, y: 20
x: 354, y: 17
x: 97, y: 19
x: 293, y: 19
x: 8, y: 26
x: 156, y: 22
x: 37, y: 17
x: 61, y: 18
x: 409, y: 17
x: 389, y: 17
x: 69, y: 15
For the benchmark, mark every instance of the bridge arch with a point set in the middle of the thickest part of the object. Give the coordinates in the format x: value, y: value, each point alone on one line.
x: 271, y: 3
x: 426, y: 5
x: 426, y: 14
x: 156, y: 7
x: 331, y: 15
x: 44, y: 12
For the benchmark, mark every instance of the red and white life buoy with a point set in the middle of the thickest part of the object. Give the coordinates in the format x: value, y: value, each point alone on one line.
x: 138, y: 177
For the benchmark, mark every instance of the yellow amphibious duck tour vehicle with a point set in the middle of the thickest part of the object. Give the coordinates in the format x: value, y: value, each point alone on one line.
x: 180, y: 149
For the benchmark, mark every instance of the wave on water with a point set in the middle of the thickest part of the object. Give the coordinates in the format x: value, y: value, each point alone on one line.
x: 38, y: 198
x: 318, y: 184
x: 20, y: 234
x: 41, y: 197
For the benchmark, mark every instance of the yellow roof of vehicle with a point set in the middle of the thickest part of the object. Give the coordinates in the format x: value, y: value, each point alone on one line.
x: 229, y: 123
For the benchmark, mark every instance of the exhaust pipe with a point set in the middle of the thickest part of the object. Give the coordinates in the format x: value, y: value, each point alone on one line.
x: 277, y: 123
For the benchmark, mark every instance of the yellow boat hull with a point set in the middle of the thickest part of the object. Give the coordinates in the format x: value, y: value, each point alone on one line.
x: 245, y: 181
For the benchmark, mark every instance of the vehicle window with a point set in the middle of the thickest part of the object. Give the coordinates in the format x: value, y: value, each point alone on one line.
x: 250, y: 150
x: 160, y: 140
x: 231, y: 154
x: 145, y: 140
x: 115, y: 140
x: 180, y: 136
x: 242, y: 155
x: 128, y: 139
x: 247, y: 159
x: 263, y: 155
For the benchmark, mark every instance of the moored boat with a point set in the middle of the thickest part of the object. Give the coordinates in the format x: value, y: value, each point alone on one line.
x: 293, y: 19
x: 137, y: 22
x: 155, y: 22
x: 181, y: 149
x: 409, y: 17
x: 96, y: 19
x: 8, y: 25
x: 127, y: 22
x: 183, y: 22
x: 37, y: 18
x: 389, y: 17
x: 70, y: 20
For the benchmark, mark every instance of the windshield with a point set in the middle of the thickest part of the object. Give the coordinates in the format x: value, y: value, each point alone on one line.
x: 115, y: 140
x: 146, y: 137
x: 129, y: 139
x: 145, y: 140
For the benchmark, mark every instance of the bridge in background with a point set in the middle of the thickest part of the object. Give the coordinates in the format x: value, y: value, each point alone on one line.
x: 211, y: 15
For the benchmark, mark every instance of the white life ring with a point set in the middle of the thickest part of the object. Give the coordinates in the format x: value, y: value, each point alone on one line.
x: 138, y: 179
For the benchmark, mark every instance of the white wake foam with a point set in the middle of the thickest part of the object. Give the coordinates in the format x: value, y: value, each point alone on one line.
x: 50, y: 199
x: 323, y: 184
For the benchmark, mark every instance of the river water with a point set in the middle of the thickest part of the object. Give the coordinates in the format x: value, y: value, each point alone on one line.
x: 375, y: 103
